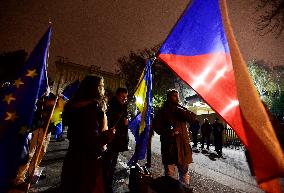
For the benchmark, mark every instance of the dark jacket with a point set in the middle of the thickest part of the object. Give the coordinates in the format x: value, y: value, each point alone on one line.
x: 86, y: 128
x: 43, y: 110
x: 195, y: 126
x: 87, y: 134
x: 174, y: 149
x: 206, y: 129
x: 116, y: 114
x: 218, y: 128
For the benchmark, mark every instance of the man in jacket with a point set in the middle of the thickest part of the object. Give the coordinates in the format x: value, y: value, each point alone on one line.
x: 117, y: 117
x: 218, y: 129
x: 206, y: 130
x: 194, y: 128
x: 170, y: 123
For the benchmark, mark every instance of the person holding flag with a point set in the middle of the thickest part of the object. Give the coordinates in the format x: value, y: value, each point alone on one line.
x: 42, y: 113
x: 202, y: 50
x: 117, y: 117
x: 17, y: 107
x: 170, y: 124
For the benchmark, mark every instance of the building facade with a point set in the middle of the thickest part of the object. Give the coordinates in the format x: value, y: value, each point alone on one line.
x: 68, y: 72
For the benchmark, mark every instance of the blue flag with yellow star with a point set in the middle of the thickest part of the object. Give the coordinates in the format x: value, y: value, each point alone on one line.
x: 17, y: 107
x: 140, y: 126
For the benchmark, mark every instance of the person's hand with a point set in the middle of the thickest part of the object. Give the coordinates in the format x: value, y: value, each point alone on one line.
x: 175, y: 132
x: 125, y: 121
x: 113, y: 130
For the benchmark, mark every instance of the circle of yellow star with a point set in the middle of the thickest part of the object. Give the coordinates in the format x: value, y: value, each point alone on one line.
x: 11, y: 116
x: 9, y: 98
x: 31, y: 73
x: 18, y: 83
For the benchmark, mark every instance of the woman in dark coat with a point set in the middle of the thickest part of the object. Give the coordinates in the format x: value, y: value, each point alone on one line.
x: 84, y: 115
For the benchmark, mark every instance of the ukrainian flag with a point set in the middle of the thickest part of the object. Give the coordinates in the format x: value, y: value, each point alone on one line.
x: 140, y: 126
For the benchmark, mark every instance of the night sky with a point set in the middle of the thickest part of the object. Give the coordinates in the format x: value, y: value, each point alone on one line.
x: 100, y: 31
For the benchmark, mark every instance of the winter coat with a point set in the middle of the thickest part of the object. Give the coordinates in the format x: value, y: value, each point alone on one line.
x: 195, y: 126
x: 174, y: 149
x: 116, y: 115
x: 88, y: 135
x: 206, y: 129
x: 218, y: 129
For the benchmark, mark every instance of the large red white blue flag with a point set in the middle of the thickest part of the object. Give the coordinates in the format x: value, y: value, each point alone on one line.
x: 201, y: 50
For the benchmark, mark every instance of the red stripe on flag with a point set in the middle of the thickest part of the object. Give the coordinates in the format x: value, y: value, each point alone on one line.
x: 264, y: 148
x: 212, y: 77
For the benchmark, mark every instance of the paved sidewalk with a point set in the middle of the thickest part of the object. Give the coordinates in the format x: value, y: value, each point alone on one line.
x: 219, y: 176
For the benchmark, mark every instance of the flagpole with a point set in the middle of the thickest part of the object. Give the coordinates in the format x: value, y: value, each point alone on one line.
x: 30, y: 174
x: 37, y: 153
x: 154, y: 59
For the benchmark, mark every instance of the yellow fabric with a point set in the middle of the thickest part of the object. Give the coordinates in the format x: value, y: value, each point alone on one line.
x: 37, y: 139
x: 56, y: 117
x: 141, y: 102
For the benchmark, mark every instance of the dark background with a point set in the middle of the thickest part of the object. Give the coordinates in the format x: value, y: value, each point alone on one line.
x: 100, y: 31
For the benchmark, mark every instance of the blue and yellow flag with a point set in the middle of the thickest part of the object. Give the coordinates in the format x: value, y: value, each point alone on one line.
x: 17, y: 107
x: 140, y: 126
x: 71, y: 89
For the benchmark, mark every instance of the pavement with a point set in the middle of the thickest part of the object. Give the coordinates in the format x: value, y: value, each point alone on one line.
x: 209, y: 174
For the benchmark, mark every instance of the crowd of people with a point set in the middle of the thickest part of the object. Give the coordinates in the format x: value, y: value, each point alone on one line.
x: 98, y: 131
x: 207, y: 129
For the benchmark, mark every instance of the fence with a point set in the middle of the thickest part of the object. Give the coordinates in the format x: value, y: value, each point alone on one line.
x: 231, y: 139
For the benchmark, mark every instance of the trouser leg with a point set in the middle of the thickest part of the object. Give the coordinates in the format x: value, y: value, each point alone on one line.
x: 110, y: 161
x: 32, y: 149
x: 208, y: 141
x: 194, y: 138
x: 183, y: 174
x: 202, y: 141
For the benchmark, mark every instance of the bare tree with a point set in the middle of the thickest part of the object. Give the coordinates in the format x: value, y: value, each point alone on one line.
x: 272, y: 19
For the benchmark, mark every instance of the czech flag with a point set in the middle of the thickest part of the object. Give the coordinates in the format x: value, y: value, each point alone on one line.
x: 201, y: 50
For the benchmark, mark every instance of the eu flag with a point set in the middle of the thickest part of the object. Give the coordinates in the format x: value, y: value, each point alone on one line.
x: 17, y: 107
x: 140, y: 126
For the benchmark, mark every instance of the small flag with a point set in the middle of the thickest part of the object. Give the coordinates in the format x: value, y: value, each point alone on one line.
x: 140, y: 126
x: 17, y: 107
x: 198, y: 51
x: 71, y: 89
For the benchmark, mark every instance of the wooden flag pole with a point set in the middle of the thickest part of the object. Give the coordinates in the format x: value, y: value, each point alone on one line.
x: 30, y: 174
x: 37, y: 153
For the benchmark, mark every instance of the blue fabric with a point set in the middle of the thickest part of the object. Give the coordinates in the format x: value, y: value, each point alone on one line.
x: 58, y: 131
x: 17, y: 107
x: 142, y: 137
x: 71, y: 89
x: 195, y: 33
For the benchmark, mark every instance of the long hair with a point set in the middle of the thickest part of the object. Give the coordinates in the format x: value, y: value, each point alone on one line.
x: 91, y: 88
